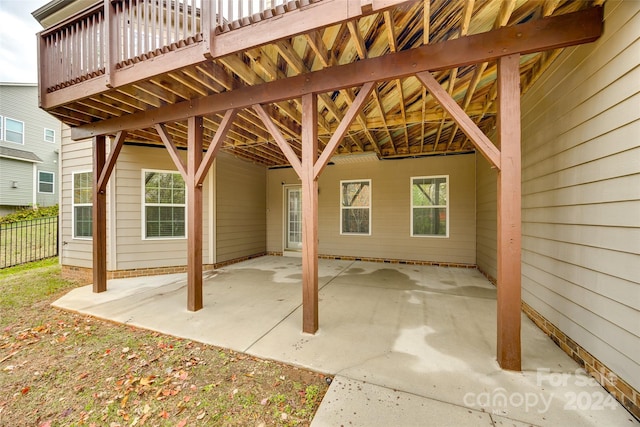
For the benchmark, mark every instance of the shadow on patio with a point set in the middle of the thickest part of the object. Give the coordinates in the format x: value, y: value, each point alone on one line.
x: 408, y: 344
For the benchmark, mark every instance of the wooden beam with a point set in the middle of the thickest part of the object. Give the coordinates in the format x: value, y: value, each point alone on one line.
x: 194, y: 215
x: 172, y: 149
x: 112, y: 42
x: 309, y: 214
x: 357, y: 39
x: 509, y: 214
x: 282, y: 143
x: 467, y: 125
x: 111, y: 161
x: 391, y: 31
x: 215, y: 145
x: 99, y: 220
x: 333, y: 143
x: 312, y: 17
x: 533, y: 36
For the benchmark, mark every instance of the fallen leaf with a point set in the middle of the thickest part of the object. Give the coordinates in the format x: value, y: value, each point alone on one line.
x: 123, y: 403
x: 164, y: 414
x: 201, y: 415
x: 187, y: 398
x: 147, y: 380
x: 83, y: 375
x: 125, y: 350
x: 25, y: 390
x: 182, y: 423
x: 45, y: 424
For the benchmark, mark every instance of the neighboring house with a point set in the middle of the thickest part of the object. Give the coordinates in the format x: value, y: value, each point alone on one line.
x: 29, y: 150
x: 580, y: 179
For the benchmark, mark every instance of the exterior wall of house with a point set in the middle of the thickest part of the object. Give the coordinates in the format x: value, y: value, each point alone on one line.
x: 240, y: 207
x: 75, y: 156
x: 133, y: 251
x: 581, y: 193
x: 486, y: 217
x: 21, y: 173
x: 390, y: 210
x: 20, y: 102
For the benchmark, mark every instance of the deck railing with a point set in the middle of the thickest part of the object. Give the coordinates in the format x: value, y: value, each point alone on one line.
x: 113, y: 34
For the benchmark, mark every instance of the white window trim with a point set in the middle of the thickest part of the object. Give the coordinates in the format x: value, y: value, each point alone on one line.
x: 411, y: 207
x: 44, y: 137
x: 1, y: 128
x: 53, y: 183
x: 143, y: 212
x: 370, y: 207
x: 74, y: 204
x: 4, y: 130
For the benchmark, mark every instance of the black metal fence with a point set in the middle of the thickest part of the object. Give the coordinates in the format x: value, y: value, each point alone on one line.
x: 29, y: 240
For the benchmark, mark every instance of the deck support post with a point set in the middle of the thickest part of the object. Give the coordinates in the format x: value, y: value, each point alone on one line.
x: 509, y: 214
x: 194, y: 214
x: 99, y: 216
x: 309, y: 214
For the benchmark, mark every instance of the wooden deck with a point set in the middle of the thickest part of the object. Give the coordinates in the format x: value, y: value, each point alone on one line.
x: 136, y: 56
x: 301, y: 83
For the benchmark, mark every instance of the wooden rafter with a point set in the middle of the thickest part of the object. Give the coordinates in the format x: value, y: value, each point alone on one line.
x: 552, y: 32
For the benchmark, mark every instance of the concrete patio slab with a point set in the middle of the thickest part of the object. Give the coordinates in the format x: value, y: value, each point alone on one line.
x: 409, y: 345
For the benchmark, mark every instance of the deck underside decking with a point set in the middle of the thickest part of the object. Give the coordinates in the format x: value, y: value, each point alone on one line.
x: 177, y: 63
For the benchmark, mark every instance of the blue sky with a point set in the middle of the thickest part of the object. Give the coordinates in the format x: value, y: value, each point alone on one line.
x: 18, y: 53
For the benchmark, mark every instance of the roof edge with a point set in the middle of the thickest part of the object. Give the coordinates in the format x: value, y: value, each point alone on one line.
x: 49, y: 9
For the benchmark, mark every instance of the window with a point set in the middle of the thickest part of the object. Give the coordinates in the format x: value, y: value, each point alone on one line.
x: 164, y: 204
x: 430, y: 206
x: 355, y: 207
x: 45, y: 182
x: 13, y: 130
x: 50, y: 135
x: 83, y: 205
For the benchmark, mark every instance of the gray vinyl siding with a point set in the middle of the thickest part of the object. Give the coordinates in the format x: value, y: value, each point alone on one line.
x: 76, y: 156
x: 390, y: 210
x: 486, y: 217
x: 20, y: 102
x: 240, y: 208
x: 132, y: 250
x: 581, y: 193
x: 22, y: 173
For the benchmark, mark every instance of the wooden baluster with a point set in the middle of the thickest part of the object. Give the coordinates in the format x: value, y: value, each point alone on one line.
x: 153, y: 17
x: 65, y: 54
x: 85, y: 50
x: 130, y: 28
x: 194, y: 29
x: 176, y: 21
x: 185, y: 34
x: 138, y: 34
x: 90, y: 50
x: 160, y: 24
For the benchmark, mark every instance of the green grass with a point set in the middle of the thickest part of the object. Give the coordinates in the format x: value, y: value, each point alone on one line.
x: 27, y: 284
